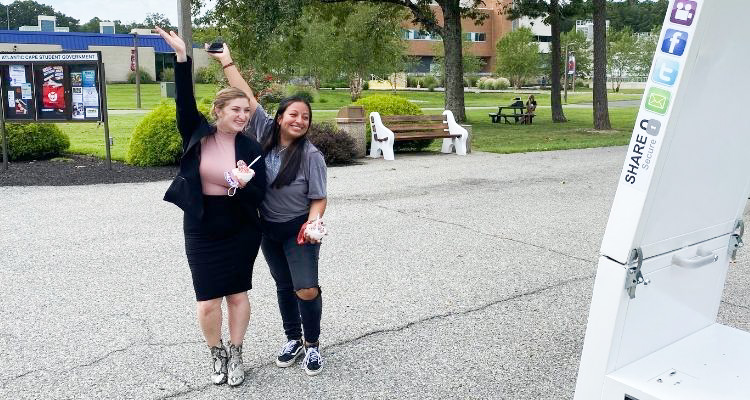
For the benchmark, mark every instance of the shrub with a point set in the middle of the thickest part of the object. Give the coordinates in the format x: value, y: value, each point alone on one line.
x: 35, y: 141
x: 335, y: 144
x: 411, y: 81
x: 155, y: 140
x: 431, y: 87
x: 167, y: 75
x: 472, y: 80
x: 392, y: 105
x: 306, y: 92
x: 209, y: 74
x: 271, y: 96
x: 366, y: 85
x: 501, y: 84
x: 489, y: 83
x: 145, y: 77
x: 429, y: 80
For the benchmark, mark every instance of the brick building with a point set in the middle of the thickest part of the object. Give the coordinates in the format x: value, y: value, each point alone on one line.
x: 483, y: 37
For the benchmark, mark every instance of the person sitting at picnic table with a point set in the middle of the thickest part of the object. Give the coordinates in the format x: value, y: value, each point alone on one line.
x: 530, y: 108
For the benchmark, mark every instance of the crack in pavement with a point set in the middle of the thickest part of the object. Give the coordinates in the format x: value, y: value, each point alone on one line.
x: 146, y: 342
x: 400, y: 328
x: 461, y: 312
x: 482, y: 233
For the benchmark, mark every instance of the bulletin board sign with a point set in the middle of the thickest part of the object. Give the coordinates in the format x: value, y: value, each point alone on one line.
x: 53, y: 87
x: 59, y: 86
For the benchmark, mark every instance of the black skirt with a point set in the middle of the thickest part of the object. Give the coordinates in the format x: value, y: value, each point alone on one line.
x: 221, y: 248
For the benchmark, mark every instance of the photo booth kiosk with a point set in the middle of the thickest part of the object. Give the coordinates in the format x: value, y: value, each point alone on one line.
x: 676, y: 222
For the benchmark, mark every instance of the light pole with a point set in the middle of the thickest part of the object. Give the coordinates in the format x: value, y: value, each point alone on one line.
x: 7, y: 14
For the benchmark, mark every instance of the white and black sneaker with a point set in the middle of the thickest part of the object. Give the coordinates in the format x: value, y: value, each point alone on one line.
x: 289, y: 353
x: 313, y: 362
x: 219, y: 364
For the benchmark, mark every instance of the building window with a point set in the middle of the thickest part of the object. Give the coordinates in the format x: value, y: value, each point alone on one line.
x: 47, y: 26
x: 476, y: 36
x: 108, y: 30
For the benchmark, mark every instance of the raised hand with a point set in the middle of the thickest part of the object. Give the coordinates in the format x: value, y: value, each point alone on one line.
x: 224, y: 57
x: 175, y: 42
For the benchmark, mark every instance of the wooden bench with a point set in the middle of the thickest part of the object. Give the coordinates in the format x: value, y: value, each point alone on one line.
x: 415, y: 127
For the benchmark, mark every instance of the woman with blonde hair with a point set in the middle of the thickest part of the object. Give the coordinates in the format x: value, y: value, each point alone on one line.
x: 220, y: 185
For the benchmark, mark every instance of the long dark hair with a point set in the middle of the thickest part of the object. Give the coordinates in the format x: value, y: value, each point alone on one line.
x: 293, y: 158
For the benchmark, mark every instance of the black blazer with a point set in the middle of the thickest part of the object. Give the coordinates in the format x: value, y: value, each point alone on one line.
x: 186, y: 190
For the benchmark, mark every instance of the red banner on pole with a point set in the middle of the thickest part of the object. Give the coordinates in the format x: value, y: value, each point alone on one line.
x: 132, y: 59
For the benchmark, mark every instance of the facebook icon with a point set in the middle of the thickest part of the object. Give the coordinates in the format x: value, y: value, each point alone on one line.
x: 674, y: 42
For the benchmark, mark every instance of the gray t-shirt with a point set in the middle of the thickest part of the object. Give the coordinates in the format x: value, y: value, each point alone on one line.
x: 293, y: 200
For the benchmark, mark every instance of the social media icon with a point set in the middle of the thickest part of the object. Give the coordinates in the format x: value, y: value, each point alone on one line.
x: 674, y: 42
x: 665, y: 71
x: 651, y: 126
x: 683, y: 12
x: 657, y: 100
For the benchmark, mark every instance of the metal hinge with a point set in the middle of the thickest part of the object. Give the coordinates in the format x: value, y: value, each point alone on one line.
x: 635, y: 277
x: 735, y: 240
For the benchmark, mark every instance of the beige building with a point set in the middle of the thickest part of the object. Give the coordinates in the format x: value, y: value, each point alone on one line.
x: 154, y: 55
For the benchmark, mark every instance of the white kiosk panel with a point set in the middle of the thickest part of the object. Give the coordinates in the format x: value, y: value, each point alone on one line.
x: 686, y: 181
x: 683, y: 187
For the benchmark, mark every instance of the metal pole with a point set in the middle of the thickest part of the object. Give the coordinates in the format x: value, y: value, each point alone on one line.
x: 137, y: 73
x: 185, y: 26
x: 105, y: 114
x: 5, y: 140
x: 565, y: 78
x: 573, y: 75
x: 7, y: 15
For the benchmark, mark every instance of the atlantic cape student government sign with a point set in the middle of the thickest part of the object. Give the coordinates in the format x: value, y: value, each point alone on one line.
x: 57, y: 86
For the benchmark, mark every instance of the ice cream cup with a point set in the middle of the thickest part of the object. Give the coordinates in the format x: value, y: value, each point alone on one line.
x: 245, y: 177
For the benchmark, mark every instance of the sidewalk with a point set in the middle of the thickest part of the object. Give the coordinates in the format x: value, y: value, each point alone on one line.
x: 443, y: 277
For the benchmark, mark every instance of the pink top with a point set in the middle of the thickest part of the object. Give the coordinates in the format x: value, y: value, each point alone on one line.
x: 217, y: 157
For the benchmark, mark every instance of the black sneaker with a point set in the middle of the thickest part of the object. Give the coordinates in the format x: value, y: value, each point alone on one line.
x: 289, y: 353
x: 313, y: 362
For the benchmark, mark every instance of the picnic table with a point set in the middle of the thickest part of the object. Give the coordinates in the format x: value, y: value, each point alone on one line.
x: 517, y: 111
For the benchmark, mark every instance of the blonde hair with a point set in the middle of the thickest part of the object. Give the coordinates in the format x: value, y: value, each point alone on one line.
x: 223, y: 97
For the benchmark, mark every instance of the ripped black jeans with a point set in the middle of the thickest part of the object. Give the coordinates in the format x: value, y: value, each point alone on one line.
x: 293, y: 267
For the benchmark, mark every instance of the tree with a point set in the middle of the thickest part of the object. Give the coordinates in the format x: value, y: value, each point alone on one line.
x: 622, y: 56
x: 601, y: 106
x: 157, y: 19
x: 645, y: 49
x: 25, y: 12
x: 472, y: 64
x: 356, y: 41
x: 257, y: 24
x: 517, y: 56
x: 577, y: 44
x: 553, y: 11
x: 91, y: 26
x: 639, y: 16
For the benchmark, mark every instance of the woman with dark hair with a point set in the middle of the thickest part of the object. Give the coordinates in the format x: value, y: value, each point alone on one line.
x: 220, y: 185
x: 295, y: 202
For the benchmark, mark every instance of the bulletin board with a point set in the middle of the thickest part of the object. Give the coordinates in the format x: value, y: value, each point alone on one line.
x: 58, y: 86
x: 53, y: 87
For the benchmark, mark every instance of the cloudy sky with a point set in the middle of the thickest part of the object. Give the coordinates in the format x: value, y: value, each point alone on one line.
x: 124, y: 10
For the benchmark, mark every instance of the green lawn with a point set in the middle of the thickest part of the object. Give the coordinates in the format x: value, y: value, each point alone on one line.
x: 122, y: 96
x: 497, y: 138
x: 544, y: 135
